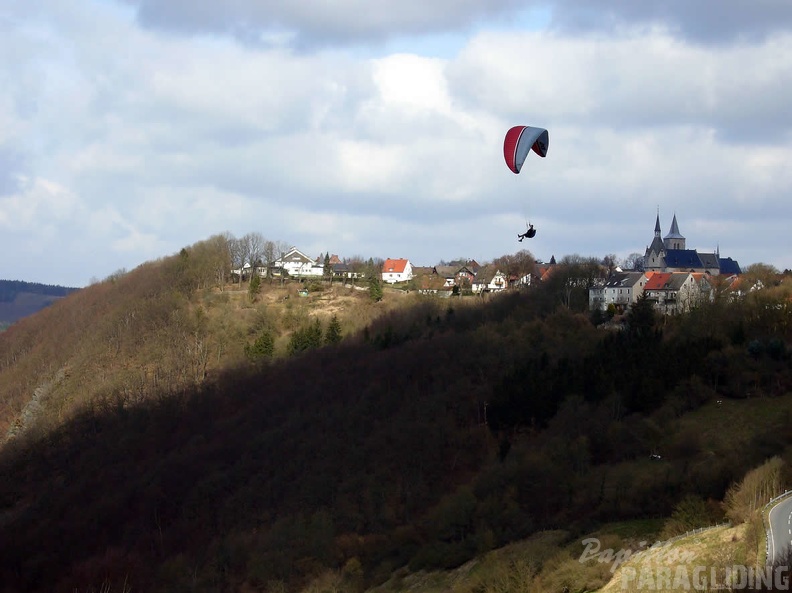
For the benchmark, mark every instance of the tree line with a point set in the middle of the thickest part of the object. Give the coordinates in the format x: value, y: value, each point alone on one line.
x: 9, y: 289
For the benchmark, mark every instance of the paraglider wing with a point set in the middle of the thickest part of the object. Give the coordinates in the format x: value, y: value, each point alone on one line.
x: 519, y: 141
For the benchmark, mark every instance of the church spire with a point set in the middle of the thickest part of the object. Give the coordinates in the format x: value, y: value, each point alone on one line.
x: 674, y: 239
x: 675, y: 227
x: 653, y: 258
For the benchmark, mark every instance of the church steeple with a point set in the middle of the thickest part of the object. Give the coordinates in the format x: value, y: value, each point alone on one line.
x: 674, y: 239
x: 653, y: 258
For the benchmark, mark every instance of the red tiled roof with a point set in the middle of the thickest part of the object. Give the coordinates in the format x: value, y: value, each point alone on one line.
x: 657, y: 281
x: 394, y: 266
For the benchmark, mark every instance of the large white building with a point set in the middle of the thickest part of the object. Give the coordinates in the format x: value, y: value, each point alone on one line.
x: 620, y: 290
x: 298, y: 265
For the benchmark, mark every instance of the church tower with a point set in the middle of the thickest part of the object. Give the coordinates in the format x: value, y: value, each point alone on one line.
x: 654, y: 258
x: 674, y: 239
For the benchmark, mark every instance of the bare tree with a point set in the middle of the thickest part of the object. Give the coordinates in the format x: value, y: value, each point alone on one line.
x: 757, y: 488
x: 760, y: 275
x: 610, y: 262
x: 270, y: 253
x: 634, y: 261
x: 253, y: 248
x: 571, y: 279
x: 281, y: 248
x: 236, y: 254
x: 221, y: 261
x: 517, y: 265
x: 209, y: 262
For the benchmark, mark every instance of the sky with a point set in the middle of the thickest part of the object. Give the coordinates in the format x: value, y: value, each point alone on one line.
x: 132, y: 128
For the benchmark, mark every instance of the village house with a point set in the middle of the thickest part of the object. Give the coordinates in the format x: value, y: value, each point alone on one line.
x: 427, y: 280
x: 620, y: 290
x: 466, y: 273
x: 295, y: 264
x: 489, y: 279
x: 447, y: 273
x: 338, y: 269
x: 675, y: 292
x: 397, y: 270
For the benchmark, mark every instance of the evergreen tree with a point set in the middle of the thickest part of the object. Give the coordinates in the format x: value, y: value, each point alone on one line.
x: 306, y: 338
x: 641, y: 318
x: 315, y: 334
x: 328, y: 270
x: 333, y: 333
x: 254, y: 289
x: 375, y: 288
x: 262, y: 349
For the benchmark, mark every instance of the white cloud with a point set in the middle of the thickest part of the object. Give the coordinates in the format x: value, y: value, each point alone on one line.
x: 136, y: 142
x: 38, y: 203
x: 344, y: 22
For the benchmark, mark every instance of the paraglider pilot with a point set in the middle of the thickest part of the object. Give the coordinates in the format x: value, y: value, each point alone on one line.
x: 529, y: 234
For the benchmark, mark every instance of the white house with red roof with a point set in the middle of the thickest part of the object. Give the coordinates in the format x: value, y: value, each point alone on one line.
x: 677, y: 292
x: 397, y: 270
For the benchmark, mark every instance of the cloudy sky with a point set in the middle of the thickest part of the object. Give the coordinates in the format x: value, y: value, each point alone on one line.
x: 132, y: 128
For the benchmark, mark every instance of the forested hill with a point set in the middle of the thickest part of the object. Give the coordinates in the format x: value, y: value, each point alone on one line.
x: 171, y: 436
x: 19, y: 299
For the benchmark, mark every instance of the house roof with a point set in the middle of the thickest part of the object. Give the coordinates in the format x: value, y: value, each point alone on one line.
x: 683, y: 258
x: 295, y: 255
x: 677, y: 280
x: 473, y: 266
x: 486, y: 275
x: 430, y: 282
x: 709, y: 260
x: 422, y: 270
x: 446, y: 271
x: 667, y: 280
x: 624, y: 280
x: 729, y: 266
x: 468, y: 269
x: 394, y: 266
x: 658, y: 281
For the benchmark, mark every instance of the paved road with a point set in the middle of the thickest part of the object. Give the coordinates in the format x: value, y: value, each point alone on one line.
x: 779, y: 534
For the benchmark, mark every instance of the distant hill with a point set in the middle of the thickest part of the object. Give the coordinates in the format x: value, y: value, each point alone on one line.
x: 19, y: 299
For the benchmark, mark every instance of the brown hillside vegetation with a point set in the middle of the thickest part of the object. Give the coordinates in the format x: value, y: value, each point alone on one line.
x: 159, y: 328
x: 435, y: 431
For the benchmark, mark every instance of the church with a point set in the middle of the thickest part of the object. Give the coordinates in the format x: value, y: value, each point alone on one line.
x: 670, y: 254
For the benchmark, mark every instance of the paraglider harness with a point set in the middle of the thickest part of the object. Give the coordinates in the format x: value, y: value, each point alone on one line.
x: 529, y: 234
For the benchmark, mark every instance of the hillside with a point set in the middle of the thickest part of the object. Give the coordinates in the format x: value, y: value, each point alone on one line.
x: 159, y: 455
x: 153, y: 330
x: 19, y: 299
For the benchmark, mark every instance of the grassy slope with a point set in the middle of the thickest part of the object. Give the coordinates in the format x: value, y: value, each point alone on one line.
x: 668, y: 566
